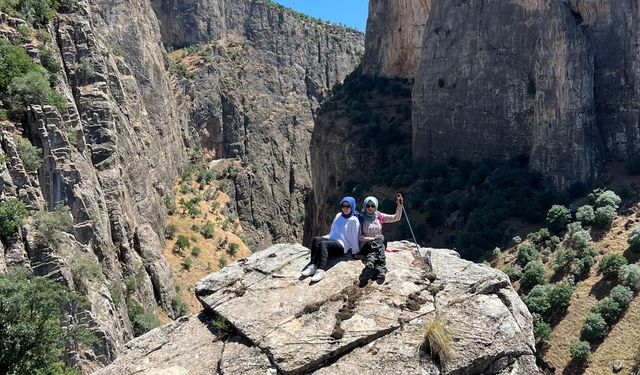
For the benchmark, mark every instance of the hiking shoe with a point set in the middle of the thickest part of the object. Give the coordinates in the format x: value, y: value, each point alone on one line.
x: 382, y: 274
x: 309, y: 270
x: 319, y: 275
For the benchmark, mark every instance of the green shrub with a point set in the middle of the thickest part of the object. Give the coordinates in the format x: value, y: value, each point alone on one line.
x: 233, y: 248
x: 32, y: 310
x: 30, y: 155
x: 526, y: 253
x: 634, y: 239
x: 85, y: 268
x: 585, y: 214
x: 563, y: 259
x: 222, y: 261
x: 629, y: 276
x: 51, y: 223
x: 580, y: 240
x: 558, y: 217
x: 182, y: 242
x: 116, y: 296
x: 604, y: 217
x: 14, y: 62
x: 537, y: 300
x: 560, y: 295
x: 142, y: 321
x: 541, y: 329
x: 496, y: 253
x: 516, y: 240
x: 580, y: 352
x: 608, y: 309
x: 187, y: 263
x: 610, y: 264
x: 540, y: 237
x: 607, y: 199
x: 622, y: 295
x: 595, y: 328
x: 195, y: 251
x: 12, y: 214
x: 583, y: 266
x: 170, y: 231
x: 85, y: 69
x: 511, y: 272
x: 534, y: 274
x: 208, y: 230
x: 179, y: 308
x: 169, y: 204
x: 135, y: 282
x: 33, y: 88
x: 49, y: 62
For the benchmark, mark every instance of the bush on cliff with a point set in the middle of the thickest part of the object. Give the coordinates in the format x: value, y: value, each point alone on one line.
x: 12, y: 213
x: 32, y: 315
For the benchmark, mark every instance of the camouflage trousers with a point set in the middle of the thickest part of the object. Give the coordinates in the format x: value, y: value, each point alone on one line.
x: 375, y: 258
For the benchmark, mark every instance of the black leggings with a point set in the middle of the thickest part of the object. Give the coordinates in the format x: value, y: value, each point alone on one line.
x: 375, y: 256
x: 323, y: 248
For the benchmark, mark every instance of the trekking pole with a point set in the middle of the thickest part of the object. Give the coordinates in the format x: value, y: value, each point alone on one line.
x: 413, y: 235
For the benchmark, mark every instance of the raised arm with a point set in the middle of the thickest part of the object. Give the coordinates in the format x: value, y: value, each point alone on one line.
x: 398, y: 215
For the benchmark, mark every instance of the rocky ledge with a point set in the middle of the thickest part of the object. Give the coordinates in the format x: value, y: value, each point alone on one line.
x: 261, y: 317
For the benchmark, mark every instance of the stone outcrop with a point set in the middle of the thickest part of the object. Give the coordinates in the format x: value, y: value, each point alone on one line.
x: 393, y: 42
x: 256, y: 81
x: 109, y: 155
x: 343, y: 326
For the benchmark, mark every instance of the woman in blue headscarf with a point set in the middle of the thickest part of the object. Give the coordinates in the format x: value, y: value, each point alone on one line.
x: 342, y: 238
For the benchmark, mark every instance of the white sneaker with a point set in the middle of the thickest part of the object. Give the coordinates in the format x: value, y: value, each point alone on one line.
x: 309, y: 270
x: 319, y: 275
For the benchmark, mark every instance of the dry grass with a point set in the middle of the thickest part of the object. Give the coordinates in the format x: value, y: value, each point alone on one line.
x: 211, y: 249
x: 437, y: 339
x: 621, y: 343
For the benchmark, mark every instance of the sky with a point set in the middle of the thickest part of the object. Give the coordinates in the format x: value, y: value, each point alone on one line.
x: 352, y: 13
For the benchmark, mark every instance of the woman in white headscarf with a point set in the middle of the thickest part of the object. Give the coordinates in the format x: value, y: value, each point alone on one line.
x: 371, y: 238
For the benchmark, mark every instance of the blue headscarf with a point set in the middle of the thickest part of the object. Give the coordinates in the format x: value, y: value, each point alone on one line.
x: 352, y: 202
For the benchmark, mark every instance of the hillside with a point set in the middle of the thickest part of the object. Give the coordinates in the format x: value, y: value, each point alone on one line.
x: 591, y: 287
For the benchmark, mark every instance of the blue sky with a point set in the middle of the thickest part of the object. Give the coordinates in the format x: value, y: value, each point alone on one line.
x: 352, y: 13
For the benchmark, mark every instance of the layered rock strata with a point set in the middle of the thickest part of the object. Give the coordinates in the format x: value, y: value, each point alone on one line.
x: 109, y: 156
x: 342, y: 326
x: 253, y: 89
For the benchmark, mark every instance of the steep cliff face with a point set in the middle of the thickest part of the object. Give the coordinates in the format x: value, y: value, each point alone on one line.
x: 613, y: 31
x: 109, y: 156
x: 393, y: 43
x: 473, y: 96
x: 252, y: 90
x: 553, y: 80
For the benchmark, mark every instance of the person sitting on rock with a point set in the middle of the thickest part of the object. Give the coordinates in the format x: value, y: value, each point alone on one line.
x: 342, y: 238
x: 371, y: 239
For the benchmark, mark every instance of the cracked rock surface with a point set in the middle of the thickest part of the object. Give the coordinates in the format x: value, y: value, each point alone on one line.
x: 282, y: 323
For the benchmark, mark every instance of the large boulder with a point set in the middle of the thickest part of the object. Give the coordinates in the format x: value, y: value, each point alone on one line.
x: 335, y: 325
x: 261, y: 317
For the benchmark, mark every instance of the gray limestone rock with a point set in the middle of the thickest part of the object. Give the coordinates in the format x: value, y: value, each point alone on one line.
x: 257, y: 81
x: 335, y: 325
x: 186, y: 346
x: 393, y: 42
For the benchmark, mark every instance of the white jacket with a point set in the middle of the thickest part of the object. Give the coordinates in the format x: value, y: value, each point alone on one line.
x: 346, y: 232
